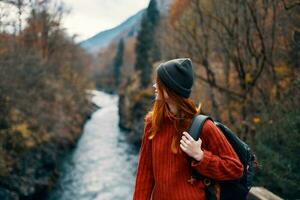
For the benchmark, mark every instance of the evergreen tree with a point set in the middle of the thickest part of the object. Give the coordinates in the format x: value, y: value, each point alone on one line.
x: 147, y: 50
x: 118, y: 61
x: 153, y: 17
x: 153, y: 13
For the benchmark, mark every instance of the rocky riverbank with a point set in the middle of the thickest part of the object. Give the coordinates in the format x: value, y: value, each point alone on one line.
x: 30, y: 172
x: 134, y: 103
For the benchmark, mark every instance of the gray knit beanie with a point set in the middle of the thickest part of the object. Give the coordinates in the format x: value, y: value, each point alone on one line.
x: 177, y: 74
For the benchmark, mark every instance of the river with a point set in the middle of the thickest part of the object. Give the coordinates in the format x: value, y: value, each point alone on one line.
x: 103, y: 164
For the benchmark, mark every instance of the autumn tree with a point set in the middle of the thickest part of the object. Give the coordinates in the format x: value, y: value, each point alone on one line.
x: 236, y: 45
x: 43, y: 82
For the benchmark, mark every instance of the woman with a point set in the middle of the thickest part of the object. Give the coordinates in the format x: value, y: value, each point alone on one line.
x: 168, y: 153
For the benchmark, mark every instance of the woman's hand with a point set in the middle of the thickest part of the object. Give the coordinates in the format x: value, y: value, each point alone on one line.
x: 191, y: 147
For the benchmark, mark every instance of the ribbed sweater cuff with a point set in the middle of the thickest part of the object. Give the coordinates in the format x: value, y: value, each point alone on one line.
x: 202, y: 164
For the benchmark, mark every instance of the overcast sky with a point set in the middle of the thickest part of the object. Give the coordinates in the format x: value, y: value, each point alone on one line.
x: 88, y: 17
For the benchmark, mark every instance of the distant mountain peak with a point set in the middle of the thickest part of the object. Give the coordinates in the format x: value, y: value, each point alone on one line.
x: 104, y: 38
x: 126, y: 29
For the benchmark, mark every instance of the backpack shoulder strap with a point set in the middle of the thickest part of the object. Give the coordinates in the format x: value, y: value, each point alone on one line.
x: 195, y: 131
x: 196, y: 125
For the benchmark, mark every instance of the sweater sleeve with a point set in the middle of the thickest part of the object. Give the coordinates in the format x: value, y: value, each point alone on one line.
x: 220, y: 161
x: 144, y: 177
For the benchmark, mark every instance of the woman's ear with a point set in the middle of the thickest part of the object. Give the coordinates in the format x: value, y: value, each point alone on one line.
x: 166, y: 96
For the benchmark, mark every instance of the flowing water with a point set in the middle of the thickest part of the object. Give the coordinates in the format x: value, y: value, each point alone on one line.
x: 103, y: 165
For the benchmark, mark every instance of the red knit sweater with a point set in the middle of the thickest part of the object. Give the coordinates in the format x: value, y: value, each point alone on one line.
x: 164, y: 175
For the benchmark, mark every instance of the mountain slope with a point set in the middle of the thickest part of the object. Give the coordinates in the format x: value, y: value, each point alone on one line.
x: 126, y: 29
x: 103, y: 39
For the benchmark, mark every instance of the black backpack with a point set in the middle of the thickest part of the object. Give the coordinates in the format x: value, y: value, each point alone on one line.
x: 234, y: 189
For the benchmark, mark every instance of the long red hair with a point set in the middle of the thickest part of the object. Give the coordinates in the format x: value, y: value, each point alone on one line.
x: 186, y: 111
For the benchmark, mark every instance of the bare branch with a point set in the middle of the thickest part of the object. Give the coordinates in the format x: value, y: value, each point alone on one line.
x: 289, y: 7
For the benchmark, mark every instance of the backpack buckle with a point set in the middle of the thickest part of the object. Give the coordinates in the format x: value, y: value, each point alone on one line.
x: 207, y: 182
